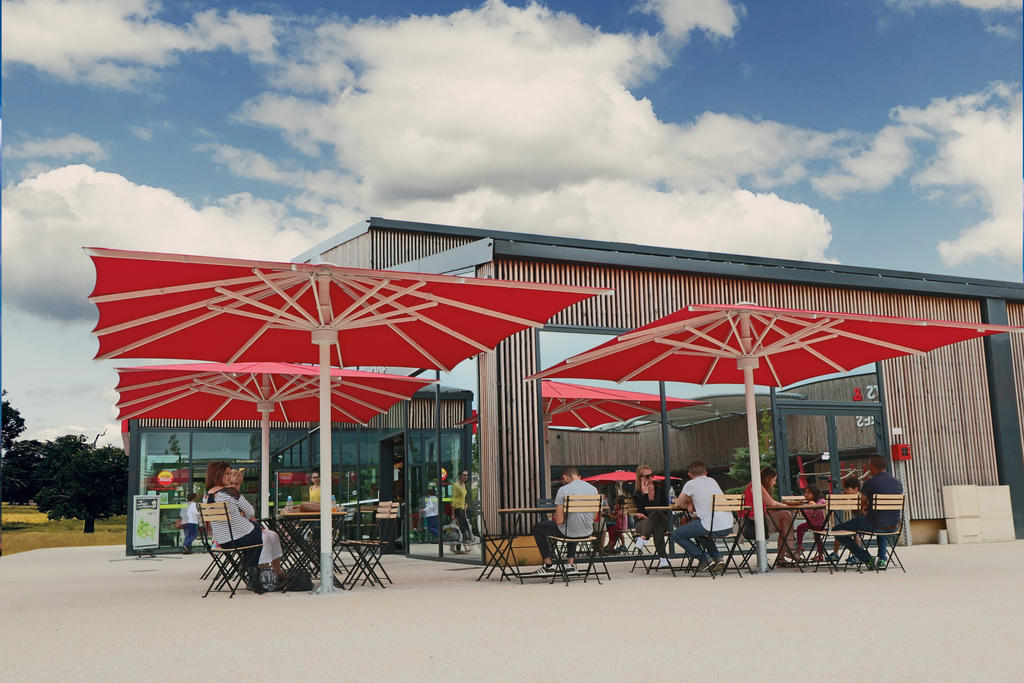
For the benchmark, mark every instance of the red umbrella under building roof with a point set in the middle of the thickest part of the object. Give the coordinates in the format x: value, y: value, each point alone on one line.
x: 286, y: 392
x: 578, y: 405
x: 283, y: 392
x: 621, y: 475
x: 752, y: 344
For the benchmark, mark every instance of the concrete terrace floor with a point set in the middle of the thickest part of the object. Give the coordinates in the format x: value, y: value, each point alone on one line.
x: 73, y: 614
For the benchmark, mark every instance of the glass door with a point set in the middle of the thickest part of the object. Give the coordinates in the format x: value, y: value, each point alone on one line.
x: 824, y: 446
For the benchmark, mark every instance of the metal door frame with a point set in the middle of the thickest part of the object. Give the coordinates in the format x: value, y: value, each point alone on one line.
x: 829, y: 410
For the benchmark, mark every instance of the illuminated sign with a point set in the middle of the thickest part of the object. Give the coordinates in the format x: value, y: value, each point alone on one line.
x: 165, y: 478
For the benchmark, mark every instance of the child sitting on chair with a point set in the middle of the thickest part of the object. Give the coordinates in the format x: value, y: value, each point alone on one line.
x: 619, y: 523
x: 815, y: 521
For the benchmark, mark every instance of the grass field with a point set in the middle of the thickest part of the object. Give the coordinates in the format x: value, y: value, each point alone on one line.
x: 25, y: 528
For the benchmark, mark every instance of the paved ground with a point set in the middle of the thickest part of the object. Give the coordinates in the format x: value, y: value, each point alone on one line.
x: 73, y: 614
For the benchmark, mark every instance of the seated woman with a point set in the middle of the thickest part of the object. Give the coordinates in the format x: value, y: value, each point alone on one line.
x: 651, y: 524
x: 781, y: 519
x: 238, y: 531
x: 270, y: 556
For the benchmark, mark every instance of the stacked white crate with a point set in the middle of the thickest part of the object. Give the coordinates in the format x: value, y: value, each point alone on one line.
x: 996, y: 513
x: 963, y: 523
x: 978, y: 514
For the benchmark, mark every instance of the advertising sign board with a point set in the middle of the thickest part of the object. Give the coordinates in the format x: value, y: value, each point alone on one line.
x: 146, y: 522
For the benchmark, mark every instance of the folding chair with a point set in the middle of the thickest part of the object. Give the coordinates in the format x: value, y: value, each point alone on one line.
x: 885, y: 537
x: 366, y: 553
x: 836, y: 502
x: 721, y: 502
x: 497, y: 554
x: 589, y: 505
x: 646, y: 557
x: 229, y: 562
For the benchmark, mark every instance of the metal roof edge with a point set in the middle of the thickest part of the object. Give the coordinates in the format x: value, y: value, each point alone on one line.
x: 346, y: 235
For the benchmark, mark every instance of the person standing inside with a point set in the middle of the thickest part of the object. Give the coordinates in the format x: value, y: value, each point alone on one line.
x: 573, y: 525
x: 652, y: 523
x: 189, y: 523
x: 881, y: 482
x: 430, y: 513
x: 698, y: 497
x: 314, y: 487
x: 460, y: 511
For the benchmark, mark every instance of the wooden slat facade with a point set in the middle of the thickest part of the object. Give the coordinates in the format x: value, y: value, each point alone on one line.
x: 421, y: 416
x: 940, y: 400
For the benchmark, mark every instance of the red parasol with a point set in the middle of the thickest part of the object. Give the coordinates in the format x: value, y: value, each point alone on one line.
x: 725, y: 344
x: 577, y: 405
x: 155, y: 305
x: 280, y: 392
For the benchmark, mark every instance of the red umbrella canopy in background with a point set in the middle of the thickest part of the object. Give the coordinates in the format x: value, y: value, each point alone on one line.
x: 696, y: 344
x: 216, y: 391
x: 577, y: 405
x: 621, y: 475
x: 155, y: 305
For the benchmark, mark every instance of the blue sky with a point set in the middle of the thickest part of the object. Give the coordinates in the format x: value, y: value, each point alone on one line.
x: 867, y: 132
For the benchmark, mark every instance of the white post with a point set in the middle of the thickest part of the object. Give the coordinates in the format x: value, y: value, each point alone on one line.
x: 265, y: 408
x: 324, y: 337
x: 748, y: 364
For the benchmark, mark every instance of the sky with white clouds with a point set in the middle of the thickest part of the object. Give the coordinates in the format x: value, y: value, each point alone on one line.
x: 879, y: 133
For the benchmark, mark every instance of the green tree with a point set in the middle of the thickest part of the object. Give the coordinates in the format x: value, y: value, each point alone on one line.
x: 83, y: 481
x: 21, y: 471
x: 740, y: 469
x: 13, y: 425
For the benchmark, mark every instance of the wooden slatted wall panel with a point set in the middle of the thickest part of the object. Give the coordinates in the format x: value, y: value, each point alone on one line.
x: 421, y: 416
x: 355, y: 253
x: 391, y: 247
x: 940, y: 400
x: 1015, y: 314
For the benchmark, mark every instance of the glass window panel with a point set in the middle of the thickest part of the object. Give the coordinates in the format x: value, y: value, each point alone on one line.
x: 164, y: 472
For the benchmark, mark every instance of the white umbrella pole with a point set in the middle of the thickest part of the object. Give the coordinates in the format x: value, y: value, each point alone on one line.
x: 324, y: 340
x: 747, y: 365
x: 264, y: 461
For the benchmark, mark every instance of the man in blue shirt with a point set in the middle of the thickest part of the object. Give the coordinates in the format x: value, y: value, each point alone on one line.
x: 883, y: 520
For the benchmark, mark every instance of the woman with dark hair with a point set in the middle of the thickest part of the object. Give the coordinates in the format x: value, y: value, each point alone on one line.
x: 238, y: 531
x: 781, y: 519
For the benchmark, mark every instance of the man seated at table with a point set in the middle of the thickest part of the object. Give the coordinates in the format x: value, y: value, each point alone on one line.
x: 884, y: 520
x: 578, y: 524
x: 697, y: 497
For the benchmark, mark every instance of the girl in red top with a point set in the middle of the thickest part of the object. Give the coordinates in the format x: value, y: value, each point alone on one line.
x: 782, y: 520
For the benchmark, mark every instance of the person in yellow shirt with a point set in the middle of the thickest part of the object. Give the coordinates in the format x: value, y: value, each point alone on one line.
x: 314, y: 488
x: 460, y: 511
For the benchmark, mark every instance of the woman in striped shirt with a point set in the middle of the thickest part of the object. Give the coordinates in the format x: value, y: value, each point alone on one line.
x: 238, y: 531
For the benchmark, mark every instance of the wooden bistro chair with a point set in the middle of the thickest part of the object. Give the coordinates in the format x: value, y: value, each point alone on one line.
x: 589, y: 505
x: 366, y: 553
x: 848, y: 503
x: 890, y: 537
x: 722, y: 502
x: 228, y: 563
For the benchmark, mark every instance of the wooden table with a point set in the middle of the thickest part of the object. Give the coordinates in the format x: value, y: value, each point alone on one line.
x: 803, y: 509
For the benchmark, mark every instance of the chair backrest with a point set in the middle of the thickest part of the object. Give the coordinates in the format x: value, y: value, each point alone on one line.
x: 631, y: 507
x: 583, y: 504
x: 726, y: 502
x: 887, y: 501
x: 214, y: 512
x: 843, y: 502
x: 386, y: 519
x: 387, y: 509
x: 792, y: 499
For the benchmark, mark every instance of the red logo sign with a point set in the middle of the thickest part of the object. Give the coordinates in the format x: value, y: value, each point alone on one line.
x: 285, y: 477
x: 165, y: 478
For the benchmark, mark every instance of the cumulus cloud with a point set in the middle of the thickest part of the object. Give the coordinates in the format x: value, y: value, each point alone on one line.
x: 978, y: 153
x: 733, y: 221
x: 47, y: 220
x: 873, y: 167
x: 1002, y: 31
x: 68, y: 147
x: 118, y: 43
x: 717, y: 18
